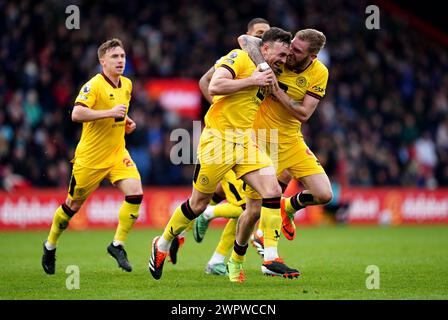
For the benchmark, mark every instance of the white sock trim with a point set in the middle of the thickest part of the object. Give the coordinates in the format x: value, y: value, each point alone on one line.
x: 117, y: 243
x: 209, y: 212
x: 50, y: 246
x: 217, y: 258
x: 163, y: 245
x: 270, y: 253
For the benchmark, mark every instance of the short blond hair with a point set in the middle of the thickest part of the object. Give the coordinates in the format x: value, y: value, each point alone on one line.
x: 109, y: 44
x: 315, y: 38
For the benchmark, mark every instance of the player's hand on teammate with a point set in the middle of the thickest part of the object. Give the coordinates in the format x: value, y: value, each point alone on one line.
x: 130, y: 125
x: 274, y: 88
x: 263, y: 78
x: 119, y: 111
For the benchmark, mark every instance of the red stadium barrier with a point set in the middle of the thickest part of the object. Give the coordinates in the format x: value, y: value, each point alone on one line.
x: 179, y: 95
x: 34, y: 208
x: 397, y: 206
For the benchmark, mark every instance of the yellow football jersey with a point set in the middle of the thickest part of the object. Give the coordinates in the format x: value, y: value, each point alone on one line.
x: 272, y: 115
x: 232, y: 115
x: 102, y: 141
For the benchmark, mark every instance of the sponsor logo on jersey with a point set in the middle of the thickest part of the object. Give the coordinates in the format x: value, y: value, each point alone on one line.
x: 319, y: 89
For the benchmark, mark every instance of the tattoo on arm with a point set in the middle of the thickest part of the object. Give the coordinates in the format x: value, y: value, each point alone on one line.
x: 252, y: 46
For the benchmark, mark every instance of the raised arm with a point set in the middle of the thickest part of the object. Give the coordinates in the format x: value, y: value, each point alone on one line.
x: 251, y: 45
x: 204, y: 82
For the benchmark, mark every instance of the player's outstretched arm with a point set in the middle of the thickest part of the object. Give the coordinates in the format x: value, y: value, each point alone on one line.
x: 204, y: 82
x: 83, y: 114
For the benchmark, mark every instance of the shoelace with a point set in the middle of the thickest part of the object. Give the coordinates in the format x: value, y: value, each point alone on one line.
x: 241, y: 276
x: 160, y: 257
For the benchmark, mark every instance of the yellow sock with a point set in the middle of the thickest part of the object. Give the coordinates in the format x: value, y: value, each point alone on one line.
x: 180, y: 220
x: 288, y: 206
x: 237, y: 258
x: 270, y: 224
x: 190, y: 226
x: 59, y: 224
x: 227, y: 238
x: 227, y: 210
x: 239, y: 252
x: 127, y: 215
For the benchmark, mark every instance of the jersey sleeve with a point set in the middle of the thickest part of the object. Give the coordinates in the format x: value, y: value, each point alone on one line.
x: 234, y: 61
x: 319, y: 84
x: 87, y: 95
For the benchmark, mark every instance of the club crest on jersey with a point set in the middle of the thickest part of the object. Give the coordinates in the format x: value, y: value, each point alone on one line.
x: 233, y: 55
x: 301, y: 82
x: 86, y: 88
x: 203, y: 180
x: 80, y: 192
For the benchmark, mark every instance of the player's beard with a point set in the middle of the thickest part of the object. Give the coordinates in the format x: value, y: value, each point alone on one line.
x: 296, y: 65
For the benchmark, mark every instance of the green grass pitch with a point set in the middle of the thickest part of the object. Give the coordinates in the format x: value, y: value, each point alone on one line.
x: 412, y: 262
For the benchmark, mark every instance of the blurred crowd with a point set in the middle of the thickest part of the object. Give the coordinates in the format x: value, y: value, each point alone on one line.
x: 383, y: 122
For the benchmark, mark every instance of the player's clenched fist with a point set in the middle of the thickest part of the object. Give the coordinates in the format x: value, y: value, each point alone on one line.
x: 130, y: 125
x: 262, y: 78
x: 118, y: 111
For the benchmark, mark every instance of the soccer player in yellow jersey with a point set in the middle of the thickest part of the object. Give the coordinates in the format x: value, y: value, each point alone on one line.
x: 294, y: 98
x: 102, y: 107
x: 256, y: 28
x: 229, y: 189
x: 226, y: 144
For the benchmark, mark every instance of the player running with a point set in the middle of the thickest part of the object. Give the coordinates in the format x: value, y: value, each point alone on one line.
x: 102, y: 107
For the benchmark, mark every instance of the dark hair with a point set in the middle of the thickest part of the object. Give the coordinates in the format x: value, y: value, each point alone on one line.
x: 254, y: 21
x: 276, y: 35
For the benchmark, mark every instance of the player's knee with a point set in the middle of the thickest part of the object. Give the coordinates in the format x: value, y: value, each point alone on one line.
x: 324, y: 196
x: 273, y: 191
